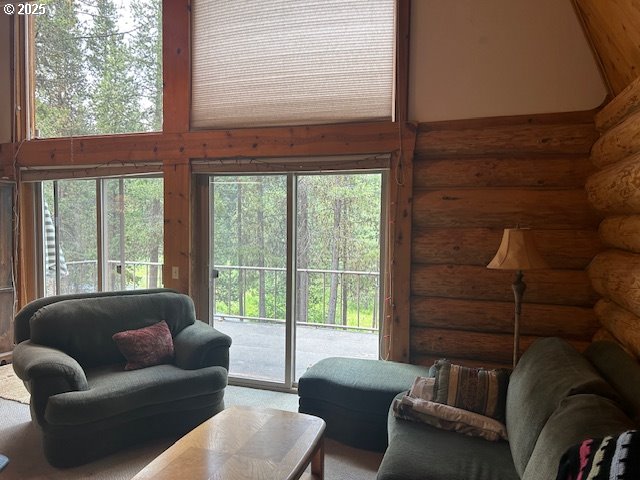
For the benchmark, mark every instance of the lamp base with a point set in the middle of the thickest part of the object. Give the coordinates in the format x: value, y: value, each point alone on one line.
x: 518, y: 286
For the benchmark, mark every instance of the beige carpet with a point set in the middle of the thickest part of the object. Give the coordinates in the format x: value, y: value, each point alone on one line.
x: 11, y: 387
x: 20, y: 441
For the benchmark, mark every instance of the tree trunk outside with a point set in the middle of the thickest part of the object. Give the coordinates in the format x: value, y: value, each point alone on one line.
x: 302, y: 290
x: 335, y: 261
x: 262, y: 307
x: 240, y: 259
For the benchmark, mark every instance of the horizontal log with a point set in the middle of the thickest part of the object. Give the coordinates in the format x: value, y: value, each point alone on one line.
x: 627, y: 102
x: 363, y: 138
x: 621, y: 323
x: 604, y: 334
x: 615, y: 275
x: 621, y: 232
x: 615, y: 190
x: 564, y: 249
x: 556, y: 171
x: 433, y: 141
x: 498, y: 317
x: 428, y: 360
x: 617, y: 143
x: 490, y: 347
x: 553, y: 287
x: 503, y: 207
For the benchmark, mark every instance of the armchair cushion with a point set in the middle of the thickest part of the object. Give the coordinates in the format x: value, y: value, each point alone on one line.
x: 145, y: 347
x: 113, y: 392
x: 84, y: 328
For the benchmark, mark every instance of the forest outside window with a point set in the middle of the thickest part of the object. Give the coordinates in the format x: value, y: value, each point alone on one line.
x: 97, y: 67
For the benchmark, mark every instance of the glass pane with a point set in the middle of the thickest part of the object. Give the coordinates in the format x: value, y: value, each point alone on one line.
x: 77, y: 256
x: 6, y: 268
x: 133, y: 233
x: 338, y: 259
x: 249, y: 245
x: 97, y: 67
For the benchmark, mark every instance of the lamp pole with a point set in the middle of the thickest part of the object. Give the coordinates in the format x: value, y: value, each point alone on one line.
x: 518, y: 287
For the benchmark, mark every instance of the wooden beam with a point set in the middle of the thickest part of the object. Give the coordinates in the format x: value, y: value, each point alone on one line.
x: 552, y: 287
x: 618, y: 143
x: 176, y: 65
x: 623, y: 105
x: 621, y: 232
x: 344, y: 139
x: 621, y: 323
x: 616, y: 189
x: 398, y: 276
x: 176, y: 272
x: 500, y: 171
x: 615, y: 275
x: 497, y: 317
x: 496, y: 208
x: 563, y: 249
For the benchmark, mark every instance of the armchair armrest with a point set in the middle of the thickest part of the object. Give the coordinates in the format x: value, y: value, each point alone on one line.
x: 200, y: 345
x: 46, y: 372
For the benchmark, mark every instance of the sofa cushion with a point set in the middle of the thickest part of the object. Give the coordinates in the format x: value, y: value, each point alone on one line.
x: 549, y: 371
x: 578, y: 417
x: 113, y: 391
x: 475, y: 389
x: 145, y: 347
x: 83, y: 328
x: 419, y: 452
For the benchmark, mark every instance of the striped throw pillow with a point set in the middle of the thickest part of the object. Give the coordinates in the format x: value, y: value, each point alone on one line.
x: 474, y: 389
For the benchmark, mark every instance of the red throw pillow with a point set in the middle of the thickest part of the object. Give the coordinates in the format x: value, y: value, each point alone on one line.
x: 146, y: 346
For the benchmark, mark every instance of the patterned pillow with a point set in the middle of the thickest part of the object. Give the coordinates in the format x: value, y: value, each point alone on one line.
x: 144, y: 347
x: 603, y: 458
x: 475, y: 389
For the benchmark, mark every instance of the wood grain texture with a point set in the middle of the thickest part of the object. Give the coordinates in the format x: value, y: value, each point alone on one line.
x: 613, y: 27
x: 530, y: 171
x: 506, y: 139
x: 615, y: 275
x: 176, y: 63
x: 621, y: 232
x: 562, y: 249
x: 428, y: 360
x: 318, y: 140
x: 618, y: 143
x: 244, y: 442
x: 502, y: 207
x: 177, y: 225
x: 489, y: 347
x: 624, y: 104
x: 497, y: 317
x: 615, y: 190
x: 556, y: 287
x: 623, y: 325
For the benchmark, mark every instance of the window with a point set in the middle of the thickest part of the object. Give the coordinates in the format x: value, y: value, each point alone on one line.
x: 97, y: 67
x: 101, y: 235
x: 291, y: 63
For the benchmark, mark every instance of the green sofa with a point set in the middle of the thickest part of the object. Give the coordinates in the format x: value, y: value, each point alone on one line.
x: 556, y: 398
x: 84, y: 401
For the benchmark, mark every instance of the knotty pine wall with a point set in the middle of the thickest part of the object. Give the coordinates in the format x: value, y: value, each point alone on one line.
x: 614, y: 190
x: 473, y: 178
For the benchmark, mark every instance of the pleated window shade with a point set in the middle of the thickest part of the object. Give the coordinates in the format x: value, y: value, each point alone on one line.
x: 291, y: 62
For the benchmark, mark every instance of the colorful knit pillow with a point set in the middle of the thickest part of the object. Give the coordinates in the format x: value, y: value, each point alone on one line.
x: 603, y: 458
x: 145, y: 347
x: 474, y: 389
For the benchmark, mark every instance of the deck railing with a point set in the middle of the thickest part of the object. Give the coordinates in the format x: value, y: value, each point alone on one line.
x: 338, y: 299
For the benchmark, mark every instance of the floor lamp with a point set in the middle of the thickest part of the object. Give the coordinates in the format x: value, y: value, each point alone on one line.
x: 517, y: 252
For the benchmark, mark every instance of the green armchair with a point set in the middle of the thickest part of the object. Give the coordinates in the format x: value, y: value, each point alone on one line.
x: 83, y: 400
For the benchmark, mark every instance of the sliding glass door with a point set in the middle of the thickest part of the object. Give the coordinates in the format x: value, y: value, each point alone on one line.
x: 295, y: 270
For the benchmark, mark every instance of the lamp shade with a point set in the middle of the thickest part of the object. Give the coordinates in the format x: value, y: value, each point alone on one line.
x: 518, y: 251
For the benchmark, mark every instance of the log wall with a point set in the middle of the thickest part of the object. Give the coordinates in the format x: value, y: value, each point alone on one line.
x: 614, y: 190
x: 472, y: 179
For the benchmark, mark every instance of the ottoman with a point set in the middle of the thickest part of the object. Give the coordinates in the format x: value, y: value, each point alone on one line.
x: 353, y: 397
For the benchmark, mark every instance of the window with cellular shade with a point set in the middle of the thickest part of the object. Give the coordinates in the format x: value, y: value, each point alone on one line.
x: 291, y: 62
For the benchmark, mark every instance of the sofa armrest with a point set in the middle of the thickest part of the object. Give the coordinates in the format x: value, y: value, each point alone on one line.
x: 200, y: 345
x: 46, y: 372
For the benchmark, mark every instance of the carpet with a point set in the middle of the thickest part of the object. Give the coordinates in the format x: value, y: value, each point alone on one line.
x: 11, y: 387
x: 20, y: 440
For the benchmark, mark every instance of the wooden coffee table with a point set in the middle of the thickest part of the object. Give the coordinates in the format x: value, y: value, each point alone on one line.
x: 245, y: 443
